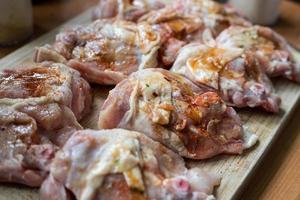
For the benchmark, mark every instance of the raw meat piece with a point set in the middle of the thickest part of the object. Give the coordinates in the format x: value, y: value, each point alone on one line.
x: 274, y: 52
x: 38, y: 110
x: 190, y: 20
x: 119, y: 164
x: 23, y: 158
x: 104, y: 52
x: 213, y: 15
x: 209, y: 14
x: 46, y: 83
x: 178, y: 23
x: 239, y: 78
x: 191, y: 120
x: 130, y: 10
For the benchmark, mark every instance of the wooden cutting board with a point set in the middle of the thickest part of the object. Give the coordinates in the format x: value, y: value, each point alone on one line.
x: 235, y: 170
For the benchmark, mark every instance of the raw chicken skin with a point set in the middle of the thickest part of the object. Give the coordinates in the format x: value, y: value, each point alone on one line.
x: 213, y: 15
x: 118, y: 164
x: 130, y: 10
x: 22, y: 158
x: 177, y: 23
x: 191, y: 120
x: 238, y: 77
x: 186, y: 21
x: 46, y: 82
x: 271, y: 48
x: 39, y: 108
x: 210, y: 14
x: 104, y: 52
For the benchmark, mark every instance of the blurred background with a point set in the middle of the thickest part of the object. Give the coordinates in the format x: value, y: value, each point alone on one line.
x: 25, y: 20
x: 47, y: 14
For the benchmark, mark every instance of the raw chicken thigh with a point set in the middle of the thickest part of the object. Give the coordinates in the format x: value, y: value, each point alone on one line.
x: 212, y: 15
x: 274, y: 53
x: 130, y: 10
x: 238, y: 77
x: 191, y: 120
x: 118, y: 164
x: 177, y: 22
x: 24, y: 155
x: 39, y: 108
x: 187, y: 21
x: 105, y: 52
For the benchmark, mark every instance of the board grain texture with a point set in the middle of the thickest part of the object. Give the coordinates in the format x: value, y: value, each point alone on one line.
x: 235, y: 170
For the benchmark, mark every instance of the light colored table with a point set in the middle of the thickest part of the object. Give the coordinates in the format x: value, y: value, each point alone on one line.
x: 278, y: 176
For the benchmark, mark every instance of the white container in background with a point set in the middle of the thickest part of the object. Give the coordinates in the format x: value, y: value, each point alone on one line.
x: 264, y: 12
x: 15, y: 21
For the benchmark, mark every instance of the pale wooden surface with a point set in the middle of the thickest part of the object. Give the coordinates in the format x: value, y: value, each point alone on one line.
x: 277, y: 177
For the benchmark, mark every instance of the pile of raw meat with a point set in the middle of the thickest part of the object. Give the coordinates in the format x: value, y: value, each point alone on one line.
x: 179, y: 71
